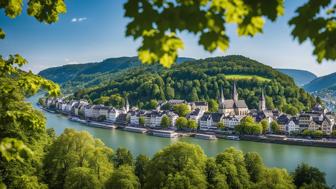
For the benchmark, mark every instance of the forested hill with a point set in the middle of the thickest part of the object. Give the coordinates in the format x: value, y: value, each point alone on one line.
x: 201, y: 80
x: 301, y: 77
x: 321, y: 83
x: 73, y: 72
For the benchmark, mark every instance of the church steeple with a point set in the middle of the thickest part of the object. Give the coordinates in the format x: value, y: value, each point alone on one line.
x: 235, y: 93
x: 221, y: 101
x: 126, y: 105
x: 262, y: 101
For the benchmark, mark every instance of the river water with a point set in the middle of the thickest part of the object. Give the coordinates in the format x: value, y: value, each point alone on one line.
x: 274, y: 155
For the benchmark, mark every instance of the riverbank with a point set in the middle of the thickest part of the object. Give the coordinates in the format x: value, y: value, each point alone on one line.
x: 205, y: 136
x: 274, y: 155
x: 292, y: 141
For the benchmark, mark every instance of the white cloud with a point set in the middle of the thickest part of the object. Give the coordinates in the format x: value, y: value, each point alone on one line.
x: 81, y: 19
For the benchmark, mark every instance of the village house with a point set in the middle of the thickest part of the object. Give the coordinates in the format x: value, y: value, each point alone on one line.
x: 288, y: 124
x: 50, y: 102
x: 283, y: 121
x: 95, y: 111
x: 314, y: 125
x: 209, y: 121
x: 203, y: 106
x: 328, y: 124
x: 113, y: 114
x: 122, y: 119
x: 173, y: 117
x: 304, y: 121
x: 195, y: 115
x: 88, y: 111
x: 174, y: 102
x: 231, y: 122
x: 103, y: 112
x: 319, y: 109
x: 80, y: 107
x: 293, y: 125
x: 70, y: 106
x: 64, y: 106
x: 58, y: 104
x: 155, y: 119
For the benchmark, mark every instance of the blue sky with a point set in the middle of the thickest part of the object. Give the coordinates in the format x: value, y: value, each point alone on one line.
x: 91, y: 31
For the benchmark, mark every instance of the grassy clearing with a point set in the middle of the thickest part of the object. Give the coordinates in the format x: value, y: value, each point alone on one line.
x: 246, y: 77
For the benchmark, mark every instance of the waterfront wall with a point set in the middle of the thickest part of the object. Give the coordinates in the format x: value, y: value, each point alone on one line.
x: 289, y: 142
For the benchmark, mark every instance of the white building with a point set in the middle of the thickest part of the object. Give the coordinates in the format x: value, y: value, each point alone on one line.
x: 231, y: 121
x: 195, y: 115
x: 199, y: 105
x: 327, y: 125
x: 155, y: 119
x: 113, y: 114
x: 209, y: 121
x: 293, y: 125
x: 88, y: 111
x: 80, y: 107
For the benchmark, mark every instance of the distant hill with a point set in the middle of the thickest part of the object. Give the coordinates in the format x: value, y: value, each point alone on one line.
x: 301, y: 77
x: 320, y: 83
x: 196, y: 80
x: 94, y: 73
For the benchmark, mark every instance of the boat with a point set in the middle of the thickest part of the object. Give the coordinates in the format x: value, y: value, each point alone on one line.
x: 135, y: 129
x: 48, y: 110
x: 76, y: 119
x: 164, y: 133
x: 101, y: 125
x: 205, y: 136
x: 232, y: 137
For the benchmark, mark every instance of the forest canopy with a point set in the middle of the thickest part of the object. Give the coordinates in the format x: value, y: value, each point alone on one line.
x: 202, y: 80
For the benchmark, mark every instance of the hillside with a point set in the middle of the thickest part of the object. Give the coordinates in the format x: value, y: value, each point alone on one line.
x: 320, y: 83
x: 301, y: 77
x: 202, y: 80
x: 74, y: 72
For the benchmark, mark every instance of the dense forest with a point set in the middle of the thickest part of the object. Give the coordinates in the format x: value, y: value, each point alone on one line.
x: 76, y: 76
x: 202, y: 80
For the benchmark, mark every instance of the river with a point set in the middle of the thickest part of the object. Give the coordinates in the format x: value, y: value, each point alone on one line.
x: 274, y: 155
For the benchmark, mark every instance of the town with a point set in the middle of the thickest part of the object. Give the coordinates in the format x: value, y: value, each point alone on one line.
x: 232, y: 120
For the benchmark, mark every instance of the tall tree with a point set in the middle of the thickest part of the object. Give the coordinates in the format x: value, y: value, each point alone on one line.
x: 265, y: 125
x: 181, y: 109
x: 305, y: 175
x: 140, y: 166
x: 123, y: 157
x: 23, y: 135
x: 215, y: 178
x: 122, y: 178
x: 179, y: 165
x: 275, y: 178
x: 213, y: 105
x: 74, y: 149
x: 165, y: 122
x: 181, y: 123
x: 81, y: 177
x: 231, y: 163
x: 255, y: 166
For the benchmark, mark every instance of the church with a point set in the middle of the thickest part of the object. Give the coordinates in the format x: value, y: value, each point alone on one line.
x: 232, y: 106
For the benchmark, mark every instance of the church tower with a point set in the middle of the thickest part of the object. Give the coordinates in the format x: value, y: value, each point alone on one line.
x: 127, y: 107
x: 221, y: 102
x: 262, y: 101
x: 235, y: 93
